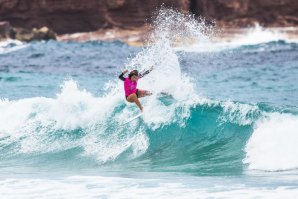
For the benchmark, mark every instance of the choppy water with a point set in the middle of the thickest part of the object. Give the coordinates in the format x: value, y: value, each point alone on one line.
x: 229, y: 131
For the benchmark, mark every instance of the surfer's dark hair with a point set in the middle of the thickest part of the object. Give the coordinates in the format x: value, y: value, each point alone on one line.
x: 132, y: 73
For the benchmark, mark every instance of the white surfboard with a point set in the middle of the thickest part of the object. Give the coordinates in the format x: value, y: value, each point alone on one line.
x: 132, y: 118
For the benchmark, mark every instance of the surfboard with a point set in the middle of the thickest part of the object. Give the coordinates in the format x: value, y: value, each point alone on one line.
x: 131, y: 119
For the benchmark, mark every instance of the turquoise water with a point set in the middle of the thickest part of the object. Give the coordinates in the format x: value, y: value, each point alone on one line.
x: 230, y: 127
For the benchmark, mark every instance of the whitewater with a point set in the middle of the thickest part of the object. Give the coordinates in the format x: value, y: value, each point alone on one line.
x: 228, y: 130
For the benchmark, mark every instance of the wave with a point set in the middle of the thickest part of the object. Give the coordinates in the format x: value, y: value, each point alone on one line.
x: 200, y: 135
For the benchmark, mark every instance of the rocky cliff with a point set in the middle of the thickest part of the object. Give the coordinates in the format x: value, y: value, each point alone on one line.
x: 69, y: 16
x: 243, y: 13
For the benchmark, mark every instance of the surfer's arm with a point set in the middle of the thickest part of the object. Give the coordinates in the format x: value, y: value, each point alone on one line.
x: 146, y: 72
x: 121, y: 77
x: 122, y: 74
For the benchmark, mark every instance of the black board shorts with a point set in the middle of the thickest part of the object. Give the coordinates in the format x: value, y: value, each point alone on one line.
x: 136, y: 94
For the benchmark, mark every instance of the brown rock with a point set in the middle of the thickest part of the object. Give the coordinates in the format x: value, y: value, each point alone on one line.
x: 4, y: 29
x: 21, y: 34
x: 114, y: 4
x: 43, y: 33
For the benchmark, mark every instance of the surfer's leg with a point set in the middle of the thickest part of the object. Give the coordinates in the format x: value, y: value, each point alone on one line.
x: 143, y: 93
x: 133, y: 98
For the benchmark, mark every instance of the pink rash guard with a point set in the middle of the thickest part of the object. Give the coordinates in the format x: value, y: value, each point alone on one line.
x: 130, y: 87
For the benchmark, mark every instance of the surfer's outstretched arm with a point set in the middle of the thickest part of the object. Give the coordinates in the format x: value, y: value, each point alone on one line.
x: 145, y: 72
x: 122, y: 74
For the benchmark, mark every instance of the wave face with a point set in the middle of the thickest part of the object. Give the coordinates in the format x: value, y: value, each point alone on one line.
x: 230, y: 110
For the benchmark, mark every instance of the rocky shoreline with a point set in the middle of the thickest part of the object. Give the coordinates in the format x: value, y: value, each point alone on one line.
x: 134, y: 37
x: 72, y: 16
x: 127, y: 20
x: 21, y: 34
x: 138, y: 37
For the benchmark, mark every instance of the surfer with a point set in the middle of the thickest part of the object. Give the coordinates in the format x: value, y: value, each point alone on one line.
x: 132, y: 93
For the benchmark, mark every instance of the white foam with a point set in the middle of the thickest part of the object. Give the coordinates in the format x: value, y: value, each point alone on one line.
x: 273, y: 144
x: 46, y: 124
x: 258, y: 35
x: 10, y: 45
x: 121, y: 187
x: 251, y: 36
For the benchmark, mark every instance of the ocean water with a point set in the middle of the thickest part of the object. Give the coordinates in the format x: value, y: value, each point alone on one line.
x: 228, y: 130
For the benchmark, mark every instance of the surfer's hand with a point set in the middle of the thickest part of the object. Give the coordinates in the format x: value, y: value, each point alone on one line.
x: 141, y: 109
x: 125, y: 71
